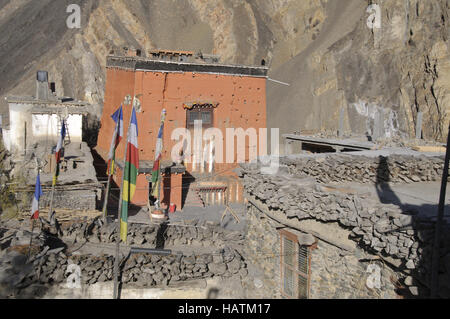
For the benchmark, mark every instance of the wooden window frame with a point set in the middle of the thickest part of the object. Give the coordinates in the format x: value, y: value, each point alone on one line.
x: 295, y: 268
x: 200, y: 110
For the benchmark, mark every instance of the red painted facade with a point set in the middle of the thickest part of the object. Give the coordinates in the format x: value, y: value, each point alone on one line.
x: 240, y: 100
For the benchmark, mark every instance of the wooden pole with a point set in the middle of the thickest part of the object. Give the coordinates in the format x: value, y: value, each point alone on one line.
x: 438, y: 226
x: 110, y: 172
x: 160, y: 177
x: 32, y: 223
x: 119, y: 211
x: 159, y: 186
x: 105, y: 201
x: 50, y: 212
x: 31, y: 239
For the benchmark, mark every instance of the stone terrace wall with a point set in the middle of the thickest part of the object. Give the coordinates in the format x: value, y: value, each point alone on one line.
x: 140, y: 270
x: 195, y: 233
x: 385, y: 230
x: 352, y: 168
x: 48, y: 267
x: 73, y: 199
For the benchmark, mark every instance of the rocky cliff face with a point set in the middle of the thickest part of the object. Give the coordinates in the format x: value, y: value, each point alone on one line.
x: 324, y: 50
x: 397, y: 70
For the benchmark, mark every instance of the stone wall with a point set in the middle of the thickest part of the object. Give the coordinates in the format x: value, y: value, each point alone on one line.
x: 337, y: 275
x: 48, y: 266
x: 141, y: 270
x: 85, y: 199
x: 193, y: 232
x: 364, y: 169
x: 400, y: 238
x: 262, y: 249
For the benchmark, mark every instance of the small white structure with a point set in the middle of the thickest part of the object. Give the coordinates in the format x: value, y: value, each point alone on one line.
x: 38, y: 119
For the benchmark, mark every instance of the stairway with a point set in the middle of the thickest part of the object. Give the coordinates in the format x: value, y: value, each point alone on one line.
x: 193, y: 198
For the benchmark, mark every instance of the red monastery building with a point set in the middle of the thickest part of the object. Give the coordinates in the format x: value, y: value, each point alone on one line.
x: 190, y: 87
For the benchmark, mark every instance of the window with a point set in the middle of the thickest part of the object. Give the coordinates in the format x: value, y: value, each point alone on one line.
x: 205, y: 115
x: 295, y: 266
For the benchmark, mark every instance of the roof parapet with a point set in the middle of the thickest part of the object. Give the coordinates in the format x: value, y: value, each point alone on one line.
x: 145, y: 64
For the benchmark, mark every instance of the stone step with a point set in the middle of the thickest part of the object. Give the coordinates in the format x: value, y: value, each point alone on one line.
x: 193, y: 199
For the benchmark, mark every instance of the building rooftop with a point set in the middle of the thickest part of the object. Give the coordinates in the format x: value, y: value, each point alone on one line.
x: 46, y: 101
x: 146, y: 64
x: 50, y: 106
x: 55, y: 100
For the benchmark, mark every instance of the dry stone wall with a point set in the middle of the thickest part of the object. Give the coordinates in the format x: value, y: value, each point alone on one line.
x: 193, y: 232
x: 262, y: 249
x: 86, y: 199
x: 339, y: 275
x: 335, y: 273
x: 140, y: 270
x: 49, y: 266
x: 402, y: 237
x: 347, y: 168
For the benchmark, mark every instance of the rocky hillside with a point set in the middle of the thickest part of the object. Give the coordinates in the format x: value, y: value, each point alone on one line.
x: 323, y: 49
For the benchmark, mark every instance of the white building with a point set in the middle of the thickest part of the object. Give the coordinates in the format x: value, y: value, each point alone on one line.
x: 37, y: 119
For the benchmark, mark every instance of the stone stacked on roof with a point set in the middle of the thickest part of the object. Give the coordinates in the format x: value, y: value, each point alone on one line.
x: 400, y: 236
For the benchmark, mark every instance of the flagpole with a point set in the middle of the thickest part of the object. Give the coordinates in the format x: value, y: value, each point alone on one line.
x: 31, y: 239
x: 32, y: 222
x: 159, y: 181
x: 111, y: 159
x: 50, y: 213
x: 119, y: 212
x: 159, y: 185
x: 105, y: 201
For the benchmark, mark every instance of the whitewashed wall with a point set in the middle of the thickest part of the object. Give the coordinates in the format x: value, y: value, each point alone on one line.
x: 6, y: 139
x: 39, y: 127
x: 46, y: 126
x: 18, y: 116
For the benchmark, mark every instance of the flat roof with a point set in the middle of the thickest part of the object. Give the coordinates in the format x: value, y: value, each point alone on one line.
x: 65, y: 101
x: 172, y: 52
x: 385, y: 152
x: 346, y: 143
x: 145, y: 64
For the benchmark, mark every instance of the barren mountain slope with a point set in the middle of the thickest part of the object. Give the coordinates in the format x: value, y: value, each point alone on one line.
x: 324, y: 49
x: 398, y: 70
